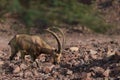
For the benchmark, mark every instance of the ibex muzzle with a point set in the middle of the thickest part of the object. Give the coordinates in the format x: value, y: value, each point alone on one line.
x: 34, y: 46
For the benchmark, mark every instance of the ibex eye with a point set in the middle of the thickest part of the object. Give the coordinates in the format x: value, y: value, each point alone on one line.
x: 56, y: 50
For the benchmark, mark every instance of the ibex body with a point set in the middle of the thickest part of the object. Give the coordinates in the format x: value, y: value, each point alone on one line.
x: 34, y: 46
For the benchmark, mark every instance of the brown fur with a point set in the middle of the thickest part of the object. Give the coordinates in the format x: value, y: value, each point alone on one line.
x: 34, y: 46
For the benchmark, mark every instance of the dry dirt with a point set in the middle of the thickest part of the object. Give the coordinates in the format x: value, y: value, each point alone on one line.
x: 84, y: 57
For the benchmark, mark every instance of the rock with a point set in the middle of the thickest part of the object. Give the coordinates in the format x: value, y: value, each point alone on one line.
x: 74, y: 62
x: 23, y: 66
x: 47, y: 67
x: 28, y: 74
x: 42, y: 57
x: 110, y: 52
x: 74, y: 49
x: 89, y: 76
x: 55, y: 74
x: 106, y: 73
x: 35, y: 64
x: 115, y: 71
x: 1, y: 53
x: 7, y: 68
x: 1, y: 62
x: 94, y: 56
x: 86, y: 58
x: 21, y: 74
x: 61, y: 77
x: 83, y: 75
x: 69, y: 72
x: 47, y: 70
x: 117, y: 53
x: 35, y: 72
x: 16, y: 69
x: 76, y: 54
x: 93, y: 51
x: 98, y: 70
x: 86, y: 76
x: 50, y: 78
x: 27, y: 58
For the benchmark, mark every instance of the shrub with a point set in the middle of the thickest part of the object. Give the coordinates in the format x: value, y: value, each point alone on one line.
x: 55, y: 12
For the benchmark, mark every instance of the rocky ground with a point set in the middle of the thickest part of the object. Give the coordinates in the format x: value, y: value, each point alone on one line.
x: 84, y: 57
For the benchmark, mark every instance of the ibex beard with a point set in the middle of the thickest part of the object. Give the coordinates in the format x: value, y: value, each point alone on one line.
x: 34, y: 45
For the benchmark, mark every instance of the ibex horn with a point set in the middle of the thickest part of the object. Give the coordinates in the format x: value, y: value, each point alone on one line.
x: 58, y: 40
x: 63, y: 43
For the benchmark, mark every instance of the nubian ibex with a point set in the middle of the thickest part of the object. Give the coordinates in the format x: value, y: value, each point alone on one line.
x: 34, y: 45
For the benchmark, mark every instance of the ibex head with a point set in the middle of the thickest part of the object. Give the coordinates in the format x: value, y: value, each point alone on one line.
x: 56, y: 52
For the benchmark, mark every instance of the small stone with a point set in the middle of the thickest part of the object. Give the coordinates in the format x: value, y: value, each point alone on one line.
x: 42, y: 57
x: 1, y: 62
x: 23, y: 66
x: 74, y: 49
x: 94, y: 56
x: 86, y: 58
x: 27, y: 58
x: 50, y: 78
x: 106, y: 73
x: 47, y: 68
x: 83, y: 75
x: 110, y: 52
x: 21, y: 74
x: 16, y: 69
x: 55, y: 74
x: 35, y: 64
x: 97, y: 69
x: 1, y: 53
x: 117, y: 53
x: 28, y: 74
x: 69, y: 72
x: 86, y: 76
x: 93, y: 51
x: 35, y: 72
